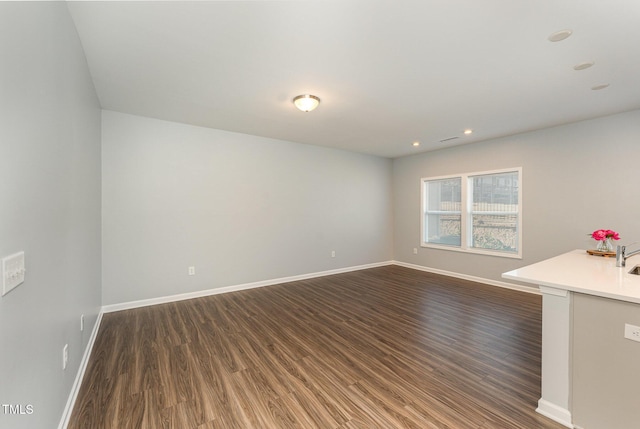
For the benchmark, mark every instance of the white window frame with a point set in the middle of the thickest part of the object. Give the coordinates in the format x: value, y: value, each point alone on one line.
x: 465, y: 213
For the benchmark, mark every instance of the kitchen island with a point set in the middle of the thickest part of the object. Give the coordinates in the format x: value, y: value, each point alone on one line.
x: 590, y: 371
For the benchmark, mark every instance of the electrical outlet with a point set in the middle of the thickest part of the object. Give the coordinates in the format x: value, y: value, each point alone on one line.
x: 632, y: 332
x: 65, y: 356
x: 415, y: 250
x: 81, y: 322
x: 333, y: 253
x: 192, y: 271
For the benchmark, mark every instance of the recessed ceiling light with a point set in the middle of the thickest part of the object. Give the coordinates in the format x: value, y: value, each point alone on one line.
x: 559, y: 35
x: 583, y: 66
x: 416, y: 144
x: 468, y: 131
x: 306, y: 102
x: 599, y: 87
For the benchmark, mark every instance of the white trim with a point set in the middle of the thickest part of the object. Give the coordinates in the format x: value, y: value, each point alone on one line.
x: 505, y: 285
x: 234, y: 288
x: 555, y: 392
x: 475, y: 251
x: 555, y: 413
x: 73, y: 395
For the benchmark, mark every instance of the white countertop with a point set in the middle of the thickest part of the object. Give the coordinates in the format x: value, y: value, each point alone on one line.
x: 577, y: 271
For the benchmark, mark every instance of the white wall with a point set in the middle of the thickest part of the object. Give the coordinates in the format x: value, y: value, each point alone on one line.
x: 576, y: 178
x: 239, y: 208
x: 50, y: 207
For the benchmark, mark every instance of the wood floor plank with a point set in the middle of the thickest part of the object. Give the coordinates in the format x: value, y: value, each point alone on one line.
x: 387, y: 347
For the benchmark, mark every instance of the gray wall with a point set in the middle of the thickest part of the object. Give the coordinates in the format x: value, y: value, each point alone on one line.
x: 605, y: 364
x: 576, y: 178
x: 50, y: 193
x: 239, y: 208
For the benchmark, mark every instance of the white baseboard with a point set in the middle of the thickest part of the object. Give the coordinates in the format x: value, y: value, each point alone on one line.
x: 234, y: 288
x: 505, y: 285
x: 554, y: 412
x: 66, y: 414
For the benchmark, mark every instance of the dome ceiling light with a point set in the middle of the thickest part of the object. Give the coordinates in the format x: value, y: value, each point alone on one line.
x: 559, y: 35
x: 306, y: 102
x: 583, y: 66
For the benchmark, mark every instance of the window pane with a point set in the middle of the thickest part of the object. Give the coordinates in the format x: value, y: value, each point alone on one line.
x: 495, y: 232
x: 443, y: 229
x: 444, y: 195
x: 496, y: 192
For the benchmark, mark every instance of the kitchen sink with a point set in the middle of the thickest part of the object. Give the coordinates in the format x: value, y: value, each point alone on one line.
x: 635, y: 270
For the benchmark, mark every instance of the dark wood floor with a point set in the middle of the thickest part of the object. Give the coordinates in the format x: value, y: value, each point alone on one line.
x: 388, y: 347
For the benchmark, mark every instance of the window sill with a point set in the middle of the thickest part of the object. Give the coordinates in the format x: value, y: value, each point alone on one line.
x: 472, y: 251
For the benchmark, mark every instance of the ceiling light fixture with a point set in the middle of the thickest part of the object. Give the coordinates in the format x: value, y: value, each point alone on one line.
x: 559, y: 35
x: 416, y: 144
x: 583, y: 66
x: 468, y: 131
x: 306, y: 102
x: 599, y: 87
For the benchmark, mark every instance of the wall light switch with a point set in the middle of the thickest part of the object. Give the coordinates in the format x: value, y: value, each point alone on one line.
x: 12, y: 272
x: 192, y: 271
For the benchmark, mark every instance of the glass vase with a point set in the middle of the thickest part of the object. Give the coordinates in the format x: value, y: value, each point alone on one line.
x: 605, y: 246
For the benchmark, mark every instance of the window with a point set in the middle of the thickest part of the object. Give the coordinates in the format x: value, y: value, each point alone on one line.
x: 443, y: 215
x: 474, y: 212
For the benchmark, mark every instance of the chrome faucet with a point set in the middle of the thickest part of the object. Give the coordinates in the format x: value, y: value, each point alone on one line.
x: 622, y: 255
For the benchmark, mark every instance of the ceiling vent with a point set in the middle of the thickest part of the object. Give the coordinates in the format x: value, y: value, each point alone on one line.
x: 448, y: 140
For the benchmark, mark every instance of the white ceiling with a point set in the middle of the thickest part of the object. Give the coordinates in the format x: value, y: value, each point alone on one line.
x: 388, y: 72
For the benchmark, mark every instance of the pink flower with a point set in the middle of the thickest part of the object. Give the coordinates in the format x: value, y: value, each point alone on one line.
x: 603, y: 234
